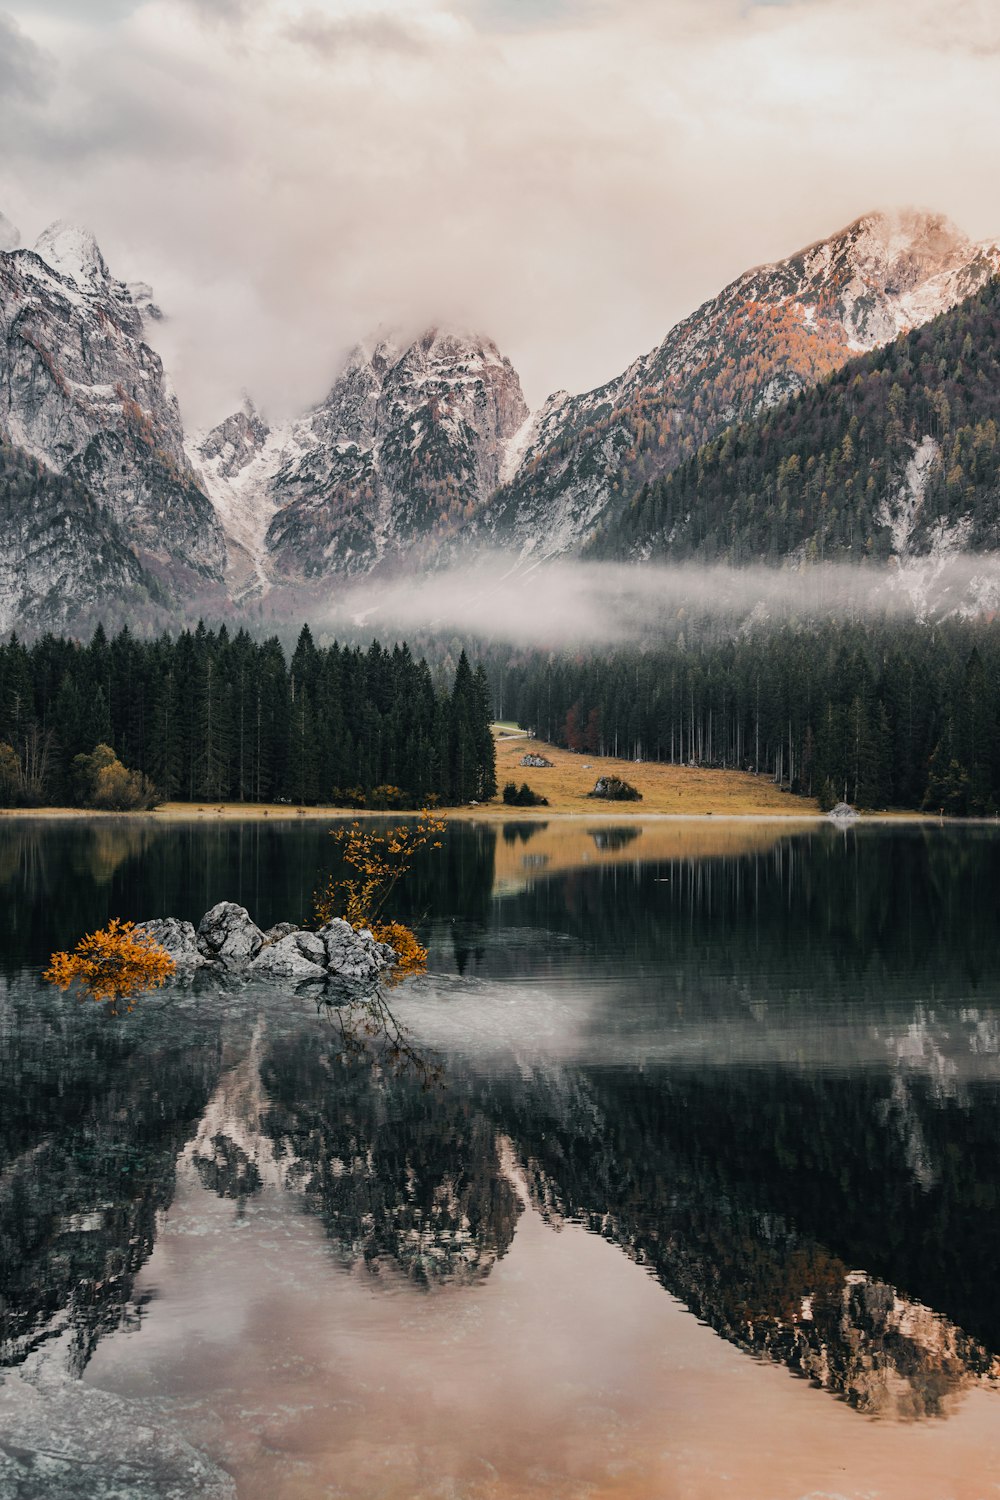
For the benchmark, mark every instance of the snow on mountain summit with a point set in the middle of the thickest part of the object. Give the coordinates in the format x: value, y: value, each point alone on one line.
x: 772, y: 332
x: 85, y: 395
x: 423, y: 447
x: 408, y: 443
x: 73, y: 251
x: 888, y: 271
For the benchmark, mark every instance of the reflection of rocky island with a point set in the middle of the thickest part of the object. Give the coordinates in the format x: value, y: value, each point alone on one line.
x: 402, y: 1178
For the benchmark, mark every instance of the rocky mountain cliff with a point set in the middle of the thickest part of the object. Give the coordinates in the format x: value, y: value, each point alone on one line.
x: 405, y: 449
x: 82, y: 392
x: 776, y: 330
x: 64, y: 557
x: 895, y: 456
x: 421, y: 450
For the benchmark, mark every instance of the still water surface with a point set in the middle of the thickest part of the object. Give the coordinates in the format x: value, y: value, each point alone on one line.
x: 689, y: 1188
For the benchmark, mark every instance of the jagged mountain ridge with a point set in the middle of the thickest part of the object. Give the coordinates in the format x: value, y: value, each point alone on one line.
x: 406, y: 447
x: 895, y: 455
x: 64, y: 555
x: 82, y: 392
x: 776, y: 330
x: 395, y: 464
x: 421, y: 450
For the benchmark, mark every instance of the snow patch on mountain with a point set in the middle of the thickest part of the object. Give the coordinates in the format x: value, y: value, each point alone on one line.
x: 515, y: 449
x: 73, y: 251
x: 236, y: 463
x: 84, y: 394
x: 410, y: 441
x: 901, y: 513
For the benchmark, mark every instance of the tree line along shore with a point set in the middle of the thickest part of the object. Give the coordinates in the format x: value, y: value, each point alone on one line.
x: 205, y: 717
x: 884, y: 713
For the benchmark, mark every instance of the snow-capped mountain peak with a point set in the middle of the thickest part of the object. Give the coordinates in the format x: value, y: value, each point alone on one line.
x: 423, y: 447
x: 409, y: 441
x: 73, y: 251
x: 885, y: 272
x: 773, y: 331
x: 86, y: 395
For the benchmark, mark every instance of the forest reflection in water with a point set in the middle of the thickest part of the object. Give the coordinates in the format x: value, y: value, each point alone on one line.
x: 767, y: 1078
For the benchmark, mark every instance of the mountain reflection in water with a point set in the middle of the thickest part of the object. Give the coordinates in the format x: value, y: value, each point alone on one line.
x: 768, y: 1078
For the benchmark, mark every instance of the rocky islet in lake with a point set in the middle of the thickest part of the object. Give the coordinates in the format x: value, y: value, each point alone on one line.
x: 228, y: 942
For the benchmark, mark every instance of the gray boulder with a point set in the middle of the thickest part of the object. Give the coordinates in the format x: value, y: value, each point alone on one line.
x: 354, y: 955
x: 843, y: 813
x: 280, y: 930
x: 539, y: 762
x: 297, y: 956
x: 227, y: 934
x: 177, y: 938
x: 230, y: 946
x: 614, y: 789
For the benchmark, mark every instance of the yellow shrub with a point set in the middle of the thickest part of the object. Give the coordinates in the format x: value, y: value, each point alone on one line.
x: 411, y: 955
x: 115, y: 963
x: 378, y: 861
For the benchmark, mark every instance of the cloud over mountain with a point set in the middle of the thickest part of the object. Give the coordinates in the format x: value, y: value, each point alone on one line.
x: 574, y: 177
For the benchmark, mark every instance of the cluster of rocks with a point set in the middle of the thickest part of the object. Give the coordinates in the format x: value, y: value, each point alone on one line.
x: 614, y: 789
x: 539, y: 762
x: 842, y: 813
x: 229, y: 941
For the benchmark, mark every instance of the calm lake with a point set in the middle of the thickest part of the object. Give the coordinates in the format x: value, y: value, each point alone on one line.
x: 685, y: 1185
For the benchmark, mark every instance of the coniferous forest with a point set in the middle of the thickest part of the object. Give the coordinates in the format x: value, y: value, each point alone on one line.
x: 881, y: 712
x: 884, y: 713
x: 205, y: 716
x: 816, y: 471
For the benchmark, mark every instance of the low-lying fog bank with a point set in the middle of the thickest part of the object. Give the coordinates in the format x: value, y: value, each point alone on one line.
x: 557, y: 603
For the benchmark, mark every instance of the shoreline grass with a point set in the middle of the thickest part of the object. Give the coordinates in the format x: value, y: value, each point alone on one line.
x: 669, y: 792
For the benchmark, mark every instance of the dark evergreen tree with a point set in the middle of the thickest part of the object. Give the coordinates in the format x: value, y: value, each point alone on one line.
x: 210, y: 718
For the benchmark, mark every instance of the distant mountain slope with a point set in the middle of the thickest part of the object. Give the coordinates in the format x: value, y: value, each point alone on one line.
x: 425, y: 451
x: 82, y: 391
x: 408, y: 444
x: 895, y: 454
x: 774, y: 331
x: 65, y: 562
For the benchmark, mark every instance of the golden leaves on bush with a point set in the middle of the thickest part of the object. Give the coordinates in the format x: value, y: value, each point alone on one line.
x: 411, y: 955
x: 117, y: 962
x: 378, y: 860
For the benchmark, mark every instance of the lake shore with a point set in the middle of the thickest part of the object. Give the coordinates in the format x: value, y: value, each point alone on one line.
x: 487, y: 812
x: 668, y: 792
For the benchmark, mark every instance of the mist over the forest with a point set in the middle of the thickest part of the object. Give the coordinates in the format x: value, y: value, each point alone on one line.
x: 558, y: 603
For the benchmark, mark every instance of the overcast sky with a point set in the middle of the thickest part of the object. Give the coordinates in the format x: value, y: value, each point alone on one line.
x: 569, y: 176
